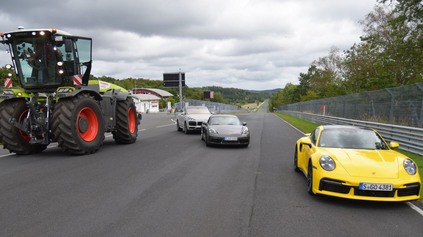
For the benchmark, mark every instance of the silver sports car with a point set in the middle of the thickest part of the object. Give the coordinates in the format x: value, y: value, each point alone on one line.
x: 225, y: 129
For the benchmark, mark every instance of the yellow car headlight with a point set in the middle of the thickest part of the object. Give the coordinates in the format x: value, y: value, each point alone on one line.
x: 410, y: 166
x: 327, y: 163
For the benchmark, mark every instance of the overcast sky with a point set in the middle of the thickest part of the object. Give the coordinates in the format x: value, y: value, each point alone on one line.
x: 247, y: 44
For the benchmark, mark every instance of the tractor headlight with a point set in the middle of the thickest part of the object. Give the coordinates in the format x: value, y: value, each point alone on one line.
x: 327, y: 163
x: 410, y: 166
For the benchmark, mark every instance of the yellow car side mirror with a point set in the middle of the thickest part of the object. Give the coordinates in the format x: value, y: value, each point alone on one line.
x: 394, y: 145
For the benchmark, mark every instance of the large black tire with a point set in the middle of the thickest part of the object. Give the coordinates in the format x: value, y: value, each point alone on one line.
x: 78, y: 125
x: 11, y: 137
x: 126, y: 131
x: 1, y: 118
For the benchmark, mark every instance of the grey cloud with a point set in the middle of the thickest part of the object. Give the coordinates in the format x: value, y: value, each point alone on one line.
x: 249, y: 44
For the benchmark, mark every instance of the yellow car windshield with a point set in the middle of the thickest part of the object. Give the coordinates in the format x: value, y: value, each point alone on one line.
x: 351, y: 139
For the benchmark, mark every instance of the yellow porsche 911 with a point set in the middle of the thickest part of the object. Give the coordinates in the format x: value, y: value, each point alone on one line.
x: 355, y: 163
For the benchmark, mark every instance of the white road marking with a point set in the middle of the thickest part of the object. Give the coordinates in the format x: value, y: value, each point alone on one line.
x: 415, y: 208
x: 167, y: 125
x: 6, y: 155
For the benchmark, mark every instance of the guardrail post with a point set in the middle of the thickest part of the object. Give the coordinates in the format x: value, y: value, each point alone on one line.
x: 420, y: 120
x: 391, y: 110
x: 371, y: 106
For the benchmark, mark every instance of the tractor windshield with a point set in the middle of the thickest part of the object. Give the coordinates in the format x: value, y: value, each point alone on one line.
x: 45, y: 60
x: 36, y: 60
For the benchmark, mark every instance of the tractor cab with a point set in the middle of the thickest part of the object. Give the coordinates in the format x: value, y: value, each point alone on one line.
x: 47, y: 59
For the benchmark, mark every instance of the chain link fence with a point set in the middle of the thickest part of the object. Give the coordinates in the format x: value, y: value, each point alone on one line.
x: 212, y: 106
x: 400, y: 106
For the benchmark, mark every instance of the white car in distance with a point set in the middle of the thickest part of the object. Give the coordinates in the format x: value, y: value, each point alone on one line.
x: 192, y: 118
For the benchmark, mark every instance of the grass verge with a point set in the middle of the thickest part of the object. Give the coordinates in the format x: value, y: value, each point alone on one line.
x: 307, y: 127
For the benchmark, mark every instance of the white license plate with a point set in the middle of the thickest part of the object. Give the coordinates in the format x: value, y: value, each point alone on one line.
x: 375, y: 187
x: 231, y: 139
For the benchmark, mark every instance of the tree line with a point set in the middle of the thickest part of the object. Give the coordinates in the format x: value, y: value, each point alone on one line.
x: 389, y: 54
x: 232, y: 96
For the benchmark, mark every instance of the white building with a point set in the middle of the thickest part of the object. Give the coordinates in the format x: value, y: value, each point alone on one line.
x: 147, y: 99
x: 146, y: 103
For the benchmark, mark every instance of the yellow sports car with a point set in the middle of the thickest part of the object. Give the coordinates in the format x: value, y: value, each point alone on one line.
x: 355, y: 163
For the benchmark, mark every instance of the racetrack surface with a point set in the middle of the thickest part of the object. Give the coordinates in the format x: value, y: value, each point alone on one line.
x: 171, y: 184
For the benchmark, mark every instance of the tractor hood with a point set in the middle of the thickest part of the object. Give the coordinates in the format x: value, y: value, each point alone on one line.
x: 367, y: 163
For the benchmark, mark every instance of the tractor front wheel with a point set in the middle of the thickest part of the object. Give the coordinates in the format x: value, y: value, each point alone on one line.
x: 12, y: 138
x: 78, y: 125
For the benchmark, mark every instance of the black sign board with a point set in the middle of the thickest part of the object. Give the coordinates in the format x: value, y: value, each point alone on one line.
x: 208, y: 95
x: 172, y: 79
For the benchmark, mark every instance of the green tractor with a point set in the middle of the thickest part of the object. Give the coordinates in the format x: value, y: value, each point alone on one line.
x: 56, y: 101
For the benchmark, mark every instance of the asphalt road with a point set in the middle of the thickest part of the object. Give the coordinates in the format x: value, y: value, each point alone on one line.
x: 171, y: 184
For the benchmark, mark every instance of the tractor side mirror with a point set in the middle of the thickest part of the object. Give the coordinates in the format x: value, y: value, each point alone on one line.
x: 68, y: 46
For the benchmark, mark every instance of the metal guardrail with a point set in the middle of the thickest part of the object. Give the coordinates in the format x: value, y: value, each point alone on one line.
x: 213, y: 106
x: 399, y: 105
x: 410, y: 138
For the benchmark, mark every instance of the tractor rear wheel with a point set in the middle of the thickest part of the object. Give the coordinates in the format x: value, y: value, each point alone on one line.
x: 126, y: 131
x: 78, y: 125
x: 11, y: 137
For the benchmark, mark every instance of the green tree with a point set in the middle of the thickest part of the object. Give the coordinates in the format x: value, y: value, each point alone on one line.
x: 324, y: 77
x: 394, y: 42
x: 409, y: 21
x: 304, y: 79
x: 285, y: 96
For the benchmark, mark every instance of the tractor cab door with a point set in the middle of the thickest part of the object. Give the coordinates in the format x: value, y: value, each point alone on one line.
x: 76, y: 62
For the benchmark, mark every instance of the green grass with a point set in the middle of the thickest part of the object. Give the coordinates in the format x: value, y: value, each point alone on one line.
x: 307, y: 127
x: 303, y: 125
x: 249, y: 106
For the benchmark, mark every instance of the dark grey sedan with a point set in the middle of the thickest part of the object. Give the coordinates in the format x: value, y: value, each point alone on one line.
x: 224, y: 129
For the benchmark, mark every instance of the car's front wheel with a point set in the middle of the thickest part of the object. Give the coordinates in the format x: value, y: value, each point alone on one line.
x: 206, y: 139
x: 296, y: 160
x: 178, y: 128
x: 186, y: 131
x: 310, y: 179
